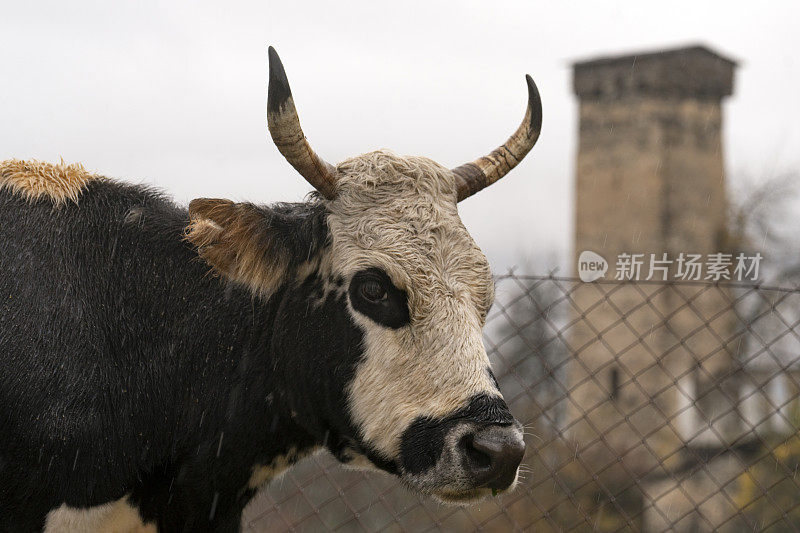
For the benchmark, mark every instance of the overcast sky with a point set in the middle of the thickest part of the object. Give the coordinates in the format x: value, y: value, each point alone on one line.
x: 173, y: 94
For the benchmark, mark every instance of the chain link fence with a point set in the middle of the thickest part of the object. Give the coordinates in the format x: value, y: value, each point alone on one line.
x: 648, y: 406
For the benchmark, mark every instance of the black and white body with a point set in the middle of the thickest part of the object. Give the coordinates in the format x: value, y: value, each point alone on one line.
x: 160, y: 364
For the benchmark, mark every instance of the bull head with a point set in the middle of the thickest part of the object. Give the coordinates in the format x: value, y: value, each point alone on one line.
x: 381, y: 296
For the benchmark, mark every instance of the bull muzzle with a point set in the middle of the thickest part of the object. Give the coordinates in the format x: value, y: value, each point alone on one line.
x: 492, y: 456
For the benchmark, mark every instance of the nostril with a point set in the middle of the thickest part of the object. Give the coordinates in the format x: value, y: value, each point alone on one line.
x: 493, y: 455
x: 477, y: 456
x: 486, y: 446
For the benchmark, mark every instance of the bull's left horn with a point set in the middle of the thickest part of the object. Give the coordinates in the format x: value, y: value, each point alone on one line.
x: 284, y: 126
x: 472, y: 177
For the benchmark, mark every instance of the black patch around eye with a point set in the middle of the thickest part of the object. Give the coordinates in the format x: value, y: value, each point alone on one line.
x: 391, y: 311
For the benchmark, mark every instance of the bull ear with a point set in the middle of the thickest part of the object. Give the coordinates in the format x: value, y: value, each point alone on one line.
x: 240, y: 241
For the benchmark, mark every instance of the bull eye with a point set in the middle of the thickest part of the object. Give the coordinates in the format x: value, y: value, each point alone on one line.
x: 373, y: 294
x: 372, y: 290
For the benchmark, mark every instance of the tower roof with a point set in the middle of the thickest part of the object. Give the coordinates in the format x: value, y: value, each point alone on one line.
x: 693, y: 71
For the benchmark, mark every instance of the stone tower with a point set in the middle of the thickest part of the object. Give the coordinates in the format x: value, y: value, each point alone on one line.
x: 650, y: 180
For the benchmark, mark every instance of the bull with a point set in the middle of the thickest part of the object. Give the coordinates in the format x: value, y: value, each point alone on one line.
x: 139, y: 392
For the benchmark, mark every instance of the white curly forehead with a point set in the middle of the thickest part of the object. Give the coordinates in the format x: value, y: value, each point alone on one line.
x: 383, y: 176
x: 399, y: 213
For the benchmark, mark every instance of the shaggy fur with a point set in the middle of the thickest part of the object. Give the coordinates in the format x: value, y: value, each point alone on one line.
x: 234, y: 239
x: 35, y: 179
x: 186, y: 391
x: 253, y: 245
x: 127, y: 369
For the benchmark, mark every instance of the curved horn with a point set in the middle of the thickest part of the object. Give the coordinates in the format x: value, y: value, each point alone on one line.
x: 284, y: 126
x: 472, y: 177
